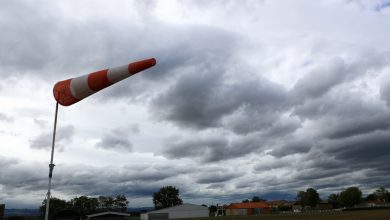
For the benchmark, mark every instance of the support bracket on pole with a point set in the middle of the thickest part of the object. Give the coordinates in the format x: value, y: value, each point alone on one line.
x: 51, y: 167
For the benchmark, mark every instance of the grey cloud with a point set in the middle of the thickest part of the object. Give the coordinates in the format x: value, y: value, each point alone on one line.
x: 41, y: 123
x: 291, y: 146
x: 363, y: 150
x: 275, y: 163
x: 382, y: 5
x: 202, y: 83
x: 202, y: 100
x: 16, y: 47
x: 28, y: 179
x: 209, y: 149
x: 355, y: 126
x: 117, y: 139
x: 357, y: 159
x: 214, y: 176
x: 385, y: 92
x: 188, y: 103
x: 19, y: 174
x: 64, y: 135
x: 174, y: 57
x: 135, y: 128
x: 213, y: 148
x: 6, y: 118
x: 341, y: 114
x: 337, y: 71
x: 321, y: 80
x: 5, y: 162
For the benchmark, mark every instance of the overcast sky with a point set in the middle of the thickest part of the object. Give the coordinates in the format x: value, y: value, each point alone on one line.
x: 248, y: 98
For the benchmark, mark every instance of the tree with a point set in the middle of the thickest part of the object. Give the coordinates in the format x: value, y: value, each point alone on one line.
x: 105, y: 202
x: 381, y: 194
x: 334, y: 199
x: 255, y: 199
x: 245, y: 201
x: 56, y: 204
x: 370, y: 197
x: 120, y: 203
x: 84, y: 204
x: 312, y: 197
x: 350, y: 197
x: 301, y: 198
x: 167, y: 196
x: 212, y: 210
x: 308, y: 198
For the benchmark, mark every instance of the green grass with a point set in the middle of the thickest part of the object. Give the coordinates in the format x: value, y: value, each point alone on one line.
x: 346, y: 215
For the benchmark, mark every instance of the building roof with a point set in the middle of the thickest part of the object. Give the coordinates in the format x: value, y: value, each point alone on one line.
x: 276, y: 202
x: 108, y: 213
x: 248, y: 205
x: 182, y: 207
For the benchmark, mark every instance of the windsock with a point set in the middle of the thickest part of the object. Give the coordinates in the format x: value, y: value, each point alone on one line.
x: 72, y: 90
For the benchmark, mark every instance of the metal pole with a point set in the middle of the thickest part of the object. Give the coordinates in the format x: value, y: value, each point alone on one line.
x: 51, y: 165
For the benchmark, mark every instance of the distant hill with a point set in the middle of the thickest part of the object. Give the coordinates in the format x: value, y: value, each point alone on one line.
x: 21, y: 212
x: 140, y: 209
x: 35, y: 212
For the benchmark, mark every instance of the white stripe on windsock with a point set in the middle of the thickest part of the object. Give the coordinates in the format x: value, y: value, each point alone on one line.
x: 79, y: 87
x: 117, y: 74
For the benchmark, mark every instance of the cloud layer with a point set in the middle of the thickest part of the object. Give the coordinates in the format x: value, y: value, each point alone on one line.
x: 258, y: 98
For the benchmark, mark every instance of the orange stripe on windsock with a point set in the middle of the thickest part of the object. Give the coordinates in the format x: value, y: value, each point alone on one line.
x: 141, y: 65
x: 70, y: 91
x: 98, y: 80
x: 61, y: 93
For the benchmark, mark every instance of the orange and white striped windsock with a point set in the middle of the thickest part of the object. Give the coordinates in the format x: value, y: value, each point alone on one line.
x: 72, y: 90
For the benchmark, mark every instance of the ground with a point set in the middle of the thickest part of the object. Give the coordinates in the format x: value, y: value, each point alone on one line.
x: 383, y: 214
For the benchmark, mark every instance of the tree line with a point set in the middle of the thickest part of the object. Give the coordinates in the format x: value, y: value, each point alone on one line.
x: 353, y: 196
x: 86, y: 205
x: 347, y: 198
x: 168, y: 196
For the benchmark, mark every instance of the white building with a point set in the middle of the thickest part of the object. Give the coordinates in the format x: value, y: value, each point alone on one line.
x: 109, y: 216
x: 180, y: 211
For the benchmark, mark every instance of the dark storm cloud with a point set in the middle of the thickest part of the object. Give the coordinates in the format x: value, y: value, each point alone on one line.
x: 208, y: 149
x: 19, y: 174
x: 203, y: 99
x: 321, y: 133
x: 291, y: 146
x: 368, y: 150
x: 139, y: 181
x: 175, y: 57
x: 355, y: 126
x: 117, y: 139
x: 63, y: 136
x: 27, y: 177
x: 16, y: 47
x: 69, y: 49
x: 213, y: 148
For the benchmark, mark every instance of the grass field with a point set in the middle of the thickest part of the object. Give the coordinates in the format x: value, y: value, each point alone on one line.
x: 383, y: 214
